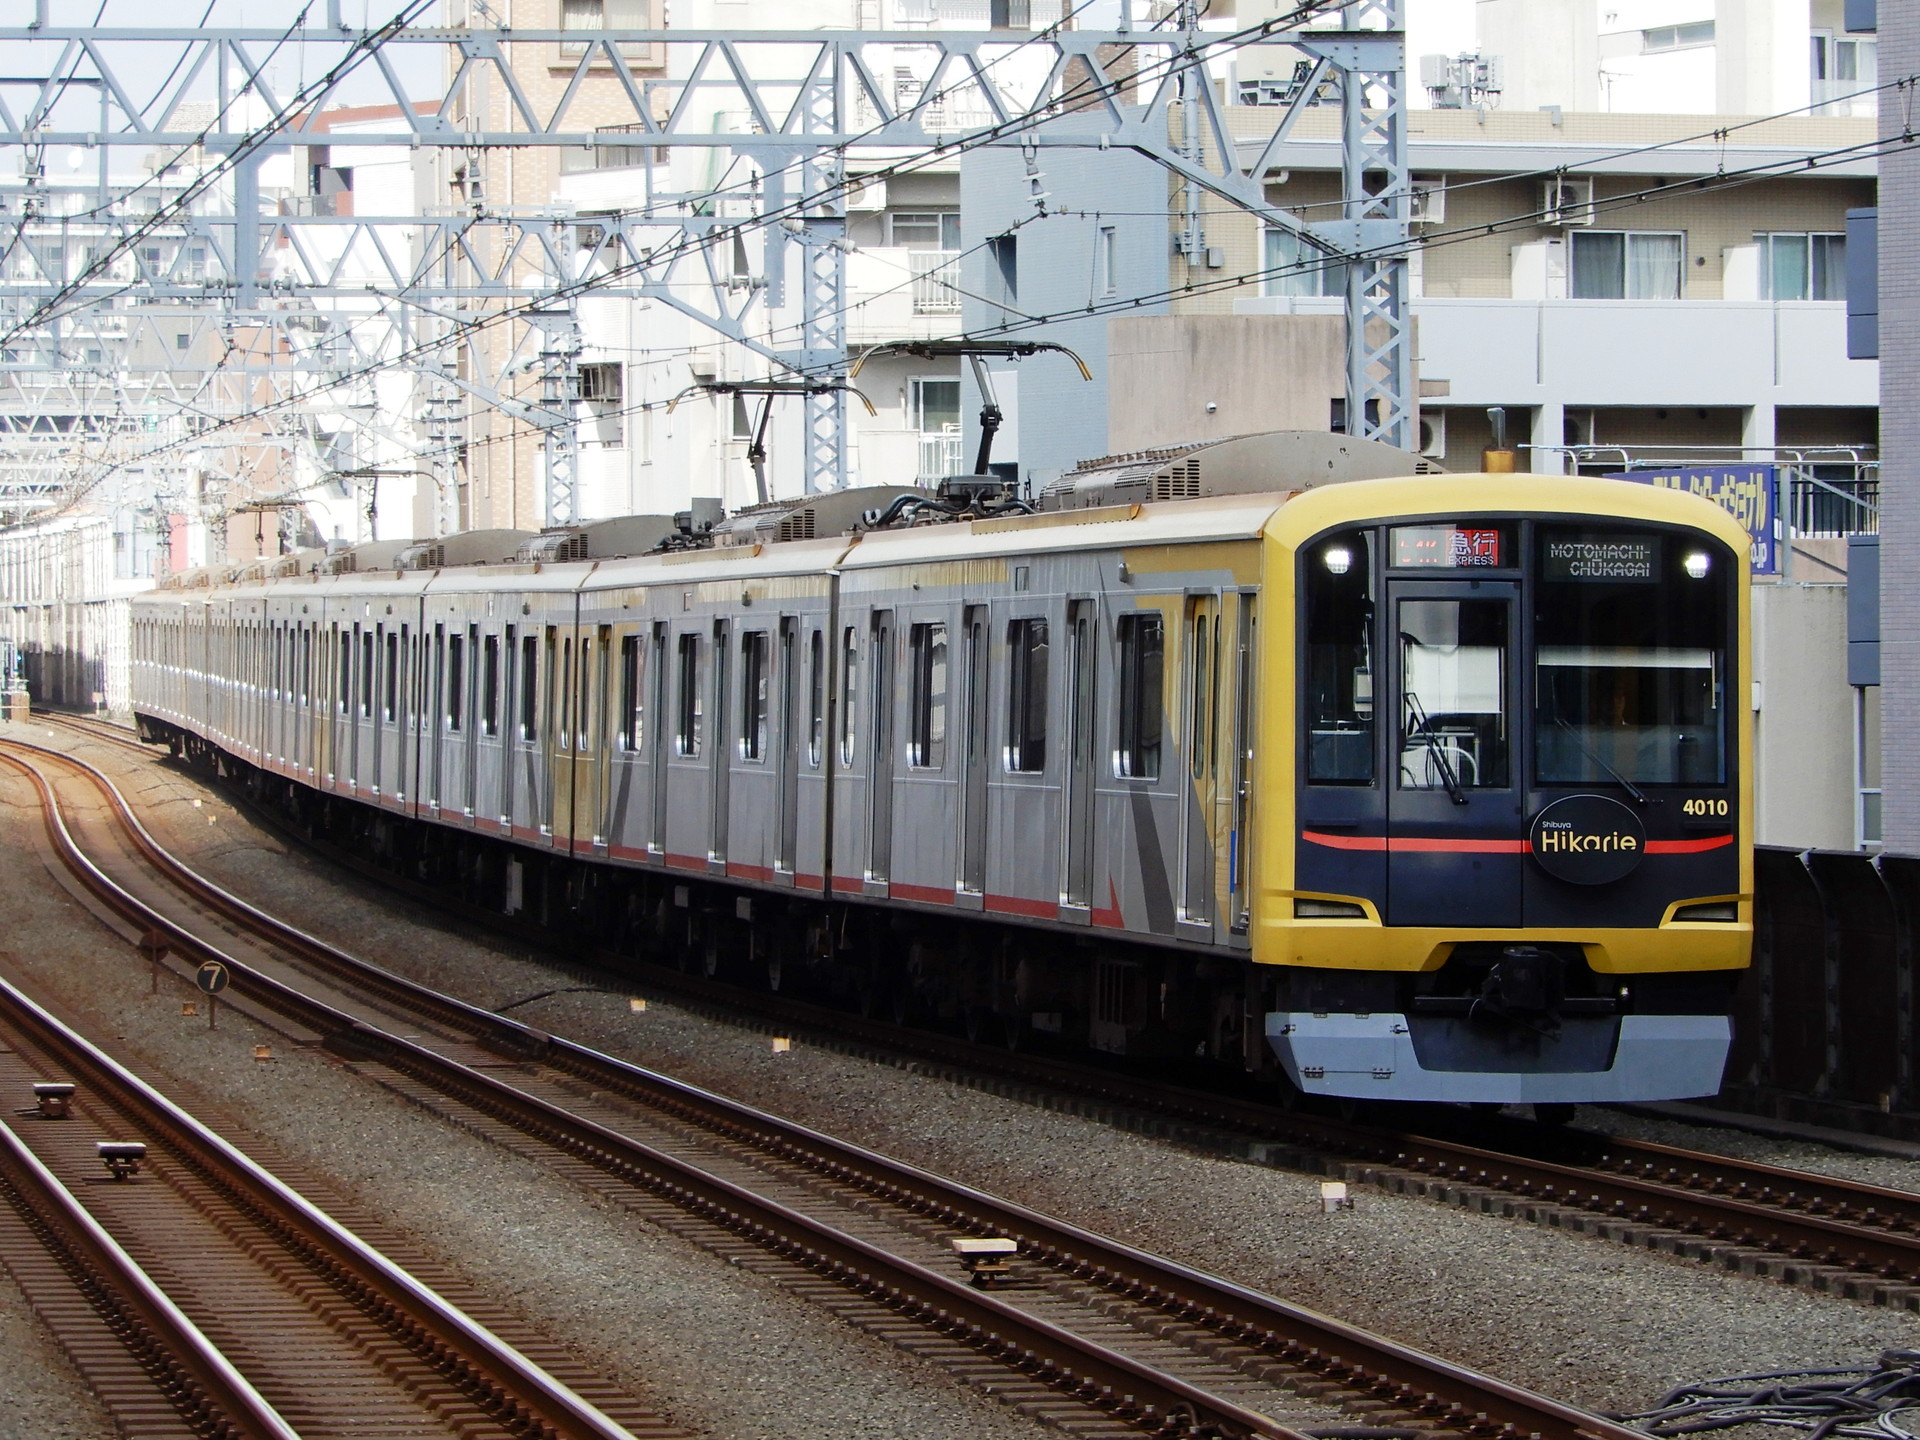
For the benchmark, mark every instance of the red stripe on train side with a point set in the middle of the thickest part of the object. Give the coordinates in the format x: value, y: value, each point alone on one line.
x: 1688, y: 847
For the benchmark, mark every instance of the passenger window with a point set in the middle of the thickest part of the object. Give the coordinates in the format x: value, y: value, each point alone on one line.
x: 563, y: 717
x: 927, y: 708
x: 1027, y: 696
x: 366, y: 674
x: 393, y: 676
x: 1143, y: 641
x: 529, y: 687
x: 849, y: 691
x: 490, y: 686
x: 687, y: 738
x: 1453, y: 694
x: 1201, y: 642
x: 342, y: 649
x: 753, y: 695
x: 456, y: 680
x: 1338, y: 703
x: 630, y: 717
x: 816, y: 699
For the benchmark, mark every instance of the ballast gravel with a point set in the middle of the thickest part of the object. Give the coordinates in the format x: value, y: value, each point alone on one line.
x: 1577, y: 1317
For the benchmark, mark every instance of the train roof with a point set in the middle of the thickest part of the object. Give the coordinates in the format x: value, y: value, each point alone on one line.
x: 1172, y: 522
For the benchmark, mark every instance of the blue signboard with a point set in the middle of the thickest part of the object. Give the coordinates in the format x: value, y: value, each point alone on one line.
x: 1746, y: 492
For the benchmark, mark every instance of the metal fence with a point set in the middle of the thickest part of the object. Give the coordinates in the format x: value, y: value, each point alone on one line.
x: 1834, y: 500
x: 1825, y: 1021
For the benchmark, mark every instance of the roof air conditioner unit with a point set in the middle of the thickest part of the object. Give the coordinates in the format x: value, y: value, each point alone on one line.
x: 1433, y: 433
x: 1566, y: 201
x: 1429, y: 200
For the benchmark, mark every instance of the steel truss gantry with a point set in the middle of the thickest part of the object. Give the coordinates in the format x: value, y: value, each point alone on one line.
x: 304, y: 303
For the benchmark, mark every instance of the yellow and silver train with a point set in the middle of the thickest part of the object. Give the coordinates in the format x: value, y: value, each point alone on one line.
x: 1431, y: 788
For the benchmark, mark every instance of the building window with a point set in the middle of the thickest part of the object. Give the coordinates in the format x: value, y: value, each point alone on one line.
x: 604, y: 15
x: 1027, y: 696
x: 1802, y: 266
x: 924, y: 229
x: 1105, y: 261
x: 1292, y: 266
x: 1627, y: 265
x: 936, y: 403
x: 1142, y: 656
x: 754, y: 651
x: 1676, y: 37
x: 927, y: 695
x: 1843, y: 67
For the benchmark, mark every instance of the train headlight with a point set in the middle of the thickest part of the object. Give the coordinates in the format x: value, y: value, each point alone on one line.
x: 1697, y: 563
x: 1338, y: 558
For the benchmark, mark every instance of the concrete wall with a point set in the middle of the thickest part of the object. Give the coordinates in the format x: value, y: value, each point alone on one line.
x: 1263, y: 372
x: 1803, y: 718
x: 1054, y: 241
x: 1900, y: 443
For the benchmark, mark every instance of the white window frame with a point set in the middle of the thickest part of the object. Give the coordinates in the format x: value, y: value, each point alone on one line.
x: 1573, y: 264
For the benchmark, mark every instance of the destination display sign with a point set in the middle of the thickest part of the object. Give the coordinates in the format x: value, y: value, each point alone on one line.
x: 1749, y: 493
x: 1447, y: 547
x: 1633, y: 558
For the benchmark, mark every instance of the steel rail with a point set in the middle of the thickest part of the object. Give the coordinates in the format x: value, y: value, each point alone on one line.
x: 188, y: 1369
x: 1102, y: 1378
x: 1450, y: 1395
x: 517, y: 1389
x: 1795, y: 1213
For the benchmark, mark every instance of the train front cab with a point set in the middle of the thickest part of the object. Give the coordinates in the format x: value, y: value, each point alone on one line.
x: 1515, y: 864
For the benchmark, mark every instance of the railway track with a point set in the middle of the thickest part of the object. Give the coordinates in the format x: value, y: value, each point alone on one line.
x: 200, y: 1296
x: 1851, y: 1238
x: 1087, y: 1333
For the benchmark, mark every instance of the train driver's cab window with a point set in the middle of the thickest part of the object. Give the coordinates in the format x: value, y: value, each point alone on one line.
x: 1143, y: 644
x: 1453, y: 694
x: 1630, y: 658
x: 686, y: 737
x: 1338, y: 704
x: 1027, y: 696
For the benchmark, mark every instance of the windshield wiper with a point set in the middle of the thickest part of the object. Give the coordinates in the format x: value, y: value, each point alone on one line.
x: 1639, y: 795
x: 1435, y: 750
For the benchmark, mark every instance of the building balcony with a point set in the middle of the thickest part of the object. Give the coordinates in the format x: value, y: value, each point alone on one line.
x: 1627, y: 352
x: 894, y: 293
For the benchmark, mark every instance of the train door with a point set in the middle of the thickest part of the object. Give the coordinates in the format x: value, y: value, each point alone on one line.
x: 1240, y: 833
x: 1200, y: 738
x: 720, y: 749
x: 434, y: 718
x: 562, y: 731
x: 657, y: 743
x: 1455, y: 845
x: 882, y: 750
x: 597, y: 728
x: 974, y: 757
x: 1081, y: 749
x: 545, y: 733
x: 787, y: 756
x: 510, y: 722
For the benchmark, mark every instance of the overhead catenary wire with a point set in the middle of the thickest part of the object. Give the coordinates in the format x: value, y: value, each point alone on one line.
x: 1082, y: 93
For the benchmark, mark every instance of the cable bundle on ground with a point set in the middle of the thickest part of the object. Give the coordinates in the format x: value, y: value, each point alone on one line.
x: 1868, y: 1404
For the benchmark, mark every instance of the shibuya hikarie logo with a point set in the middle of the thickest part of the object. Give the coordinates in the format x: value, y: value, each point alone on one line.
x: 1588, y: 840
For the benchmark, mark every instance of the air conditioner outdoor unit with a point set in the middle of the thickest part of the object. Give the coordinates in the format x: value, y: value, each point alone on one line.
x: 1429, y: 200
x: 1566, y: 201
x: 1433, y: 433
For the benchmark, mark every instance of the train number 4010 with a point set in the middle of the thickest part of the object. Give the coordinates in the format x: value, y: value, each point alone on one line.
x: 1704, y: 807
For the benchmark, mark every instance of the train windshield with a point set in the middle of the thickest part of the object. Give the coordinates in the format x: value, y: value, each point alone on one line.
x: 1630, y: 657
